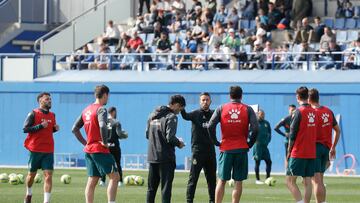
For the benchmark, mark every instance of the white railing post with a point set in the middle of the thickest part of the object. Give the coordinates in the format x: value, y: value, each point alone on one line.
x: 19, y: 10
x: 45, y: 11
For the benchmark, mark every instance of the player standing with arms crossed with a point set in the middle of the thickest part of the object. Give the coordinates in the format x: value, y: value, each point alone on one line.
x: 325, y: 148
x: 202, y: 148
x: 238, y: 124
x: 40, y: 124
x: 98, y: 159
x: 302, y: 147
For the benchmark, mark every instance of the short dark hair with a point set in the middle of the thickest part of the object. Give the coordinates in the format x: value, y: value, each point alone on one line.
x: 177, y: 99
x: 100, y: 90
x: 41, y: 94
x: 303, y: 92
x: 292, y: 106
x: 314, y: 95
x: 111, y: 109
x: 235, y: 92
x: 318, y: 17
x: 205, y: 93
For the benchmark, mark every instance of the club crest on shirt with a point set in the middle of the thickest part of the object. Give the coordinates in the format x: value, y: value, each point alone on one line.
x: 194, y: 162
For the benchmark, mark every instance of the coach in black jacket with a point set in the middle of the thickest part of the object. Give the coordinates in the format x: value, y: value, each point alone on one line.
x: 202, y: 148
x: 161, y: 131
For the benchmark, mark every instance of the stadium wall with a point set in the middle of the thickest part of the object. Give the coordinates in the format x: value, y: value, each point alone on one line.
x: 136, y: 100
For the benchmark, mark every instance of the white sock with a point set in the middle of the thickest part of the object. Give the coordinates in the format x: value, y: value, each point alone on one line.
x: 301, y: 201
x: 47, y: 196
x: 28, y: 191
x: 111, y: 201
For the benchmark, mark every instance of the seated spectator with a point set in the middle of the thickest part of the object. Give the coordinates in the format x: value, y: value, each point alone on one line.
x: 195, y: 11
x: 190, y: 42
x: 102, y: 60
x: 285, y: 58
x: 124, y: 39
x: 144, y: 58
x: 150, y: 18
x: 318, y: 30
x: 325, y: 40
x: 199, y: 59
x: 185, y: 61
x: 353, y: 62
x: 211, y: 5
x: 329, y: 59
x: 207, y: 16
x: 274, y: 16
x: 268, y: 50
x: 249, y: 11
x: 163, y: 45
x: 300, y: 10
x: 85, y: 58
x: 233, y: 17
x: 341, y: 7
x: 161, y: 18
x: 261, y: 33
x: 257, y: 57
x: 176, y: 25
x: 176, y: 54
x: 135, y: 41
x: 194, y: 7
x: 218, y: 56
x: 220, y: 16
x: 349, y: 10
x: 231, y: 43
x: 197, y: 31
x: 178, y: 6
x: 216, y: 39
x: 303, y: 32
x: 262, y: 18
x: 303, y: 56
x: 128, y: 60
x: 112, y: 35
x: 140, y: 25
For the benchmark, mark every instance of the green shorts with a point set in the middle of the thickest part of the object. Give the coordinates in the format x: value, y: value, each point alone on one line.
x: 322, y: 158
x: 261, y: 152
x: 233, y: 165
x: 301, y: 167
x: 100, y: 164
x: 39, y: 160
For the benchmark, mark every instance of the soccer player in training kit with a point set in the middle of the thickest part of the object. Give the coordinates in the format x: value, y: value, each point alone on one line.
x: 162, y: 140
x: 302, y: 147
x: 326, y: 122
x: 98, y: 159
x: 203, y: 151
x: 115, y: 133
x: 239, y: 129
x: 285, y: 122
x: 260, y: 150
x: 40, y: 124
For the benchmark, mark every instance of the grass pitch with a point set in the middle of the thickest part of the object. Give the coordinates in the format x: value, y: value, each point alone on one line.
x: 339, y: 189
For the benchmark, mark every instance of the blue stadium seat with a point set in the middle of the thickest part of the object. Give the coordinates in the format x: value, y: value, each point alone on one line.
x: 244, y: 24
x: 339, y: 23
x: 329, y: 22
x: 252, y: 25
x: 149, y: 38
x: 350, y: 23
x: 172, y: 37
x: 341, y: 36
x: 352, y: 35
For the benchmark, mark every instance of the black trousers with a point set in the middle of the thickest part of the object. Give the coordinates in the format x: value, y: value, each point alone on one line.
x: 268, y: 168
x: 141, y: 6
x: 160, y: 173
x: 199, y: 162
x: 116, y: 152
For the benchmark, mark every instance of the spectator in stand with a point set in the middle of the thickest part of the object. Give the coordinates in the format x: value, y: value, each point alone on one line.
x: 176, y: 25
x: 262, y: 18
x: 249, y: 11
x: 185, y: 61
x: 124, y: 39
x: 140, y: 24
x: 325, y: 40
x: 161, y: 18
x: 217, y: 56
x: 349, y: 10
x: 150, y: 18
x: 304, y: 57
x: 220, y: 16
x: 340, y: 11
x: 330, y: 59
x: 199, y: 60
x: 190, y: 42
x: 261, y: 33
x: 207, y: 16
x: 176, y: 54
x: 300, y: 10
x: 179, y: 6
x: 197, y: 31
x: 112, y: 34
x: 195, y: 11
x: 163, y: 46
x: 318, y: 30
x: 285, y: 58
x: 274, y: 16
x: 144, y: 58
x: 141, y: 6
x: 211, y: 5
x: 303, y: 32
x: 135, y: 41
x: 216, y: 39
x: 217, y: 27
x: 234, y: 18
x: 231, y: 43
x: 353, y: 62
x: 264, y: 5
x: 82, y: 58
x: 102, y: 59
x: 257, y: 57
x: 128, y: 60
x: 268, y: 50
x: 159, y: 5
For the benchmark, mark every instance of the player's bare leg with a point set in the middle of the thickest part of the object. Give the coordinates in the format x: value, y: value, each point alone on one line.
x: 112, y: 187
x: 294, y: 189
x: 237, y: 191
x: 90, y: 188
x: 219, y: 192
x: 29, y: 182
x: 307, y: 189
x: 47, y: 184
x: 319, y: 188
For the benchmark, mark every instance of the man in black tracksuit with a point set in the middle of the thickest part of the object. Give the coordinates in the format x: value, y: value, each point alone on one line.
x: 115, y: 133
x: 285, y: 122
x: 162, y: 140
x: 203, y: 151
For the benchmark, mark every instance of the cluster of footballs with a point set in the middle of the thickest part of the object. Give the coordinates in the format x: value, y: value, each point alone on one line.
x: 134, y: 180
x: 15, y: 179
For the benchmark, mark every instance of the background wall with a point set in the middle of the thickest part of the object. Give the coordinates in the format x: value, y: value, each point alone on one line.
x: 136, y: 100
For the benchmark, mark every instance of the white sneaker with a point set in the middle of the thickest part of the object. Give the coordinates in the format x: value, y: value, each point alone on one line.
x: 102, y: 183
x: 120, y: 184
x: 258, y: 182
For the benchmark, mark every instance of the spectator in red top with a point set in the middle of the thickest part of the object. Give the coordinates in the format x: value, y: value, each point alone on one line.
x: 40, y: 124
x: 99, y: 161
x: 135, y: 41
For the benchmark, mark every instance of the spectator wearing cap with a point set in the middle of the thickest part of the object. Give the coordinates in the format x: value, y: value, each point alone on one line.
x: 112, y: 34
x: 231, y: 42
x: 135, y: 41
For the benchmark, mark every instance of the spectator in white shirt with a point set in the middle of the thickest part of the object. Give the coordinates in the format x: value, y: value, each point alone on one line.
x: 112, y: 34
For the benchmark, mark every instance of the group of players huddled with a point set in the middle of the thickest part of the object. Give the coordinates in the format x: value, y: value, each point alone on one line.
x: 308, y: 131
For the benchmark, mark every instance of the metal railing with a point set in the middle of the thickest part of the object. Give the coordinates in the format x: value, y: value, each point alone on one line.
x: 38, y: 42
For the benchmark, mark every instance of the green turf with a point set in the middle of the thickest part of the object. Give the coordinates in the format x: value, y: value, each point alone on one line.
x: 338, y: 189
